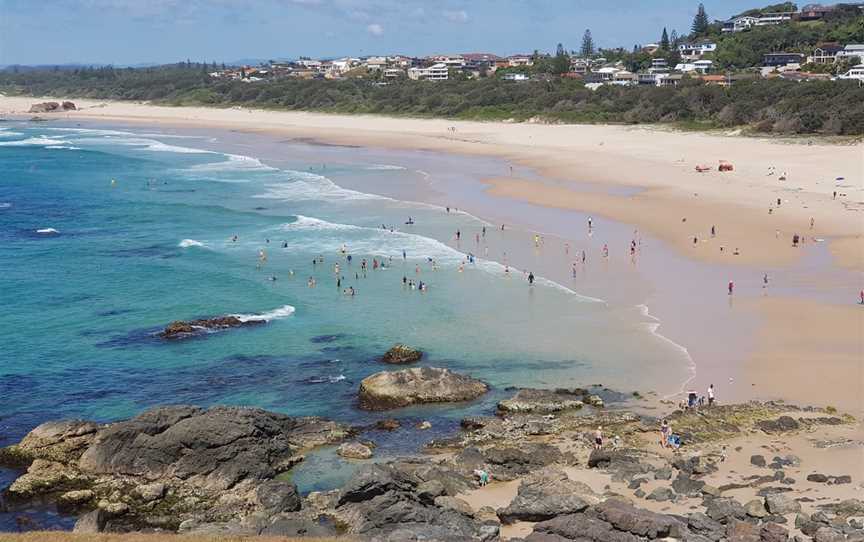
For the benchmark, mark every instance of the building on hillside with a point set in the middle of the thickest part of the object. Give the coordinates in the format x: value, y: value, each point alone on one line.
x: 658, y: 65
x: 517, y: 61
x: 717, y: 80
x: 804, y: 76
x: 669, y: 79
x: 815, y: 12
x: 580, y: 65
x: 624, y: 78
x: 376, y: 63
x: 393, y: 73
x: 515, y: 77
x: 782, y: 59
x: 310, y: 64
x: 769, y: 19
x: 737, y: 24
x: 851, y: 52
x: 856, y: 73
x: 825, y: 53
x: 451, y: 61
x: 435, y: 72
x: 694, y: 51
x: 650, y: 48
x: 700, y: 66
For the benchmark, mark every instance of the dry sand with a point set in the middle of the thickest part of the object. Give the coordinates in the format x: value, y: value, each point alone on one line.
x: 795, y: 338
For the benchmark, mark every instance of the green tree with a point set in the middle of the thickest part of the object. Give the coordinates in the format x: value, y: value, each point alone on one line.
x: 561, y: 62
x: 664, y: 40
x: 587, y: 44
x: 673, y: 38
x: 700, y: 21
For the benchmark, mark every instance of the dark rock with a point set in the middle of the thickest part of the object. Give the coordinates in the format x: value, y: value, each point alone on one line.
x: 772, y: 532
x: 275, y: 496
x: 505, y: 463
x: 400, y: 354
x: 639, y: 493
x: 213, y: 449
x: 779, y: 503
x: 773, y: 490
x: 68, y: 106
x: 775, y: 519
x: 843, y: 479
x: 827, y: 534
x: 781, y: 424
x: 818, y: 478
x: 545, y: 495
x: 663, y: 473
x: 706, y: 526
x: 430, y: 490
x: 288, y: 526
x: 181, y: 329
x: 725, y: 509
x: 419, y: 385
x: 388, y: 425
x: 578, y: 527
x: 635, y: 483
x: 758, y: 460
x: 756, y: 508
x: 354, y: 450
x: 742, y: 531
x: 541, y: 401
x: 685, y: 485
x: 44, y: 107
x: 624, y: 517
x: 661, y: 494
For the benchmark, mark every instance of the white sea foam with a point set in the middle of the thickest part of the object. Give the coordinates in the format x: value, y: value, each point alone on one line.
x: 139, y: 143
x: 652, y: 327
x: 235, y: 162
x: 386, y: 244
x: 186, y: 243
x: 305, y: 186
x: 385, y: 167
x: 33, y: 142
x: 95, y: 131
x: 276, y: 314
x: 47, y: 231
x: 67, y: 147
x: 5, y: 205
x: 6, y: 132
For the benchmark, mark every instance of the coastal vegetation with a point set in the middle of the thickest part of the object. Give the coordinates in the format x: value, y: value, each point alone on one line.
x: 766, y: 106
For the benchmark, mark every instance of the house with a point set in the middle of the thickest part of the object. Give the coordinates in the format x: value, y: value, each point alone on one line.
x: 376, y: 63
x: 393, y: 73
x: 855, y: 73
x: 768, y: 19
x: 814, y: 12
x: 694, y: 51
x: 623, y: 77
x: 700, y: 66
x: 825, y: 53
x: 850, y: 52
x: 515, y: 77
x: 580, y: 65
x: 738, y: 24
x: 669, y: 79
x: 451, y: 61
x: 606, y: 74
x: 646, y: 78
x: 717, y: 80
x: 782, y: 59
x: 516, y: 61
x: 435, y: 72
x: 651, y: 48
x: 658, y: 65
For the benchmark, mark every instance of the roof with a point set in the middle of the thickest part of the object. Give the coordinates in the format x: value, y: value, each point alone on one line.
x: 480, y: 56
x: 854, y: 47
x: 710, y: 78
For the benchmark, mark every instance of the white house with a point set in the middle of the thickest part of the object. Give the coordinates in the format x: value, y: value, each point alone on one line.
x: 739, y: 23
x: 436, y: 72
x: 520, y: 60
x: 700, y: 66
x: 694, y: 51
x: 851, y: 51
x: 768, y: 19
x: 856, y: 73
x: 515, y: 77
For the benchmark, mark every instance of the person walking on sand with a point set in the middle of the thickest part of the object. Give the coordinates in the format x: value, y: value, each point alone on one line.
x: 731, y: 287
x: 574, y: 270
x: 598, y: 438
x: 713, y: 232
x: 765, y: 280
x: 861, y: 295
x: 711, y: 395
x: 605, y: 250
x: 812, y: 222
x: 590, y: 223
x: 583, y: 257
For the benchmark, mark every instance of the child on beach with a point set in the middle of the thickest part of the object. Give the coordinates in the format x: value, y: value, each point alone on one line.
x: 598, y: 438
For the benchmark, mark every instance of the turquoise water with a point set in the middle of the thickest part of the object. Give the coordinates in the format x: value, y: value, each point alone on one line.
x: 137, y: 231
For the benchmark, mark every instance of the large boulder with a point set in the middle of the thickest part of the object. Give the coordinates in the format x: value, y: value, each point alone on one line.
x: 182, y: 329
x: 354, y: 450
x: 580, y: 527
x: 780, y: 425
x: 213, y: 449
x: 781, y: 504
x: 541, y: 401
x: 545, y: 495
x: 419, y: 385
x: 400, y: 354
x: 625, y: 517
x: 44, y: 107
x: 61, y: 441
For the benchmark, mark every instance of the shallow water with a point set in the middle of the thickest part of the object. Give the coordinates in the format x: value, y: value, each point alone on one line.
x: 143, y: 226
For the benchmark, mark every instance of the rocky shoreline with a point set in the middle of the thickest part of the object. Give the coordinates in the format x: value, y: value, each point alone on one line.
x: 224, y: 470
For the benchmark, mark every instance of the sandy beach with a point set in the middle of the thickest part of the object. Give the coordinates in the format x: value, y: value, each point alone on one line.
x: 647, y: 178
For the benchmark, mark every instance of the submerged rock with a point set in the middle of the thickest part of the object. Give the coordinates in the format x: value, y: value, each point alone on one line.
x: 354, y: 450
x: 181, y: 329
x: 400, y: 354
x: 419, y: 385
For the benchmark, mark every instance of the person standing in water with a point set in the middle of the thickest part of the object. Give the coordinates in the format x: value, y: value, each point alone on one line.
x: 531, y: 278
x: 458, y: 235
x: 731, y: 287
x: 765, y: 280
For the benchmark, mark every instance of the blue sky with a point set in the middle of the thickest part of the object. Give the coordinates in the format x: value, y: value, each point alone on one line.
x: 140, y: 31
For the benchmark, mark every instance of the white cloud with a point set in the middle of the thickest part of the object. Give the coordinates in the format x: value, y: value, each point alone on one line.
x: 375, y: 29
x: 460, y: 16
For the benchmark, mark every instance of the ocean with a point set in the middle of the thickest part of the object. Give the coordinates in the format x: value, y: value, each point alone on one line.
x: 109, y: 233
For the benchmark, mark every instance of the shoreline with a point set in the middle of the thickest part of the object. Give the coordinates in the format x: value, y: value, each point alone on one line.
x: 654, y: 204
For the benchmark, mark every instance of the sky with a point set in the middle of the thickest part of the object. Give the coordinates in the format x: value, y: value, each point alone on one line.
x: 128, y: 32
